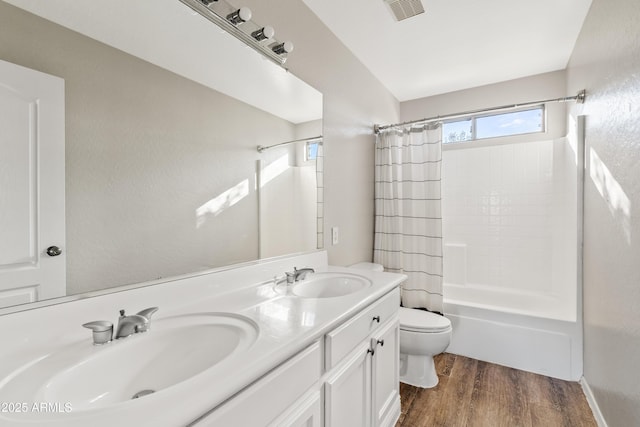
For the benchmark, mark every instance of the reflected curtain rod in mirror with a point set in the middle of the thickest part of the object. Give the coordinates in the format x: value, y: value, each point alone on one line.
x: 238, y: 23
x: 262, y: 148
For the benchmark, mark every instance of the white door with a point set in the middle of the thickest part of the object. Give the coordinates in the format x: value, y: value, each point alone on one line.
x: 31, y: 185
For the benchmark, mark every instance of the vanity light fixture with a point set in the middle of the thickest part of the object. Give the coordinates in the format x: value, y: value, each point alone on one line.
x: 240, y: 16
x: 237, y: 22
x: 263, y: 33
x: 282, y: 48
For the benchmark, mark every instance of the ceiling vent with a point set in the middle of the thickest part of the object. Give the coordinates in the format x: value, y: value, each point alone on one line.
x: 403, y: 9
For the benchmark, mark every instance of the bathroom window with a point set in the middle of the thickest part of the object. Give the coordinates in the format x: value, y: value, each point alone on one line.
x: 311, y: 153
x: 471, y: 128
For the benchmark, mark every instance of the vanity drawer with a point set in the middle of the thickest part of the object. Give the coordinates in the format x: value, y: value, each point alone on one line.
x: 270, y: 396
x: 340, y: 341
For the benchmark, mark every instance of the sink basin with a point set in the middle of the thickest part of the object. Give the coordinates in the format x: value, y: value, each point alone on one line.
x: 329, y: 285
x: 174, y: 350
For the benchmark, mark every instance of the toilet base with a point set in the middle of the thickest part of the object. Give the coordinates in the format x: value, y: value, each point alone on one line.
x: 418, y: 371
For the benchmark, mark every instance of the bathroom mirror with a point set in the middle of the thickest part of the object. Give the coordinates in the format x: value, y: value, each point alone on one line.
x: 163, y: 115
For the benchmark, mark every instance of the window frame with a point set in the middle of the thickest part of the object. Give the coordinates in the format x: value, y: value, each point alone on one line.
x: 474, y: 128
x: 307, y: 146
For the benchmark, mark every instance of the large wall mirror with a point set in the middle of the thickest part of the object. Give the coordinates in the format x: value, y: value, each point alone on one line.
x: 163, y: 114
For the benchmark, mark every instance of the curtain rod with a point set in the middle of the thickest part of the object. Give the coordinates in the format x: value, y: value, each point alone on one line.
x: 261, y: 148
x: 579, y: 98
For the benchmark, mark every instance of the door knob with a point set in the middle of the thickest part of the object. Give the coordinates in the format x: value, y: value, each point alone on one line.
x: 53, y: 251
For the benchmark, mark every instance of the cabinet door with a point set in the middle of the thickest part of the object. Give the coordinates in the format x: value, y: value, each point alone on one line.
x: 348, y: 391
x: 306, y: 413
x: 385, y: 374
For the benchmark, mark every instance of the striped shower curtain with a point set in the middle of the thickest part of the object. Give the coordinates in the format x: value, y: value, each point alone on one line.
x: 408, y: 225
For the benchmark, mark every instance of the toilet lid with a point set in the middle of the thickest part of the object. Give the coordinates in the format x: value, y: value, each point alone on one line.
x: 422, y: 321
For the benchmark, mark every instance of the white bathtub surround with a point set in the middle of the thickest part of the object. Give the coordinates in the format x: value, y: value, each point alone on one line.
x: 510, y: 255
x: 509, y: 218
x: 287, y: 325
x: 408, y: 219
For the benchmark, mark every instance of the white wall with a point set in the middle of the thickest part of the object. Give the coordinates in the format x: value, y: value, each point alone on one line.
x: 606, y: 62
x: 287, y: 204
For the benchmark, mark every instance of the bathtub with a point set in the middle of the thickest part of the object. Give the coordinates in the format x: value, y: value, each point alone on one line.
x: 523, y: 330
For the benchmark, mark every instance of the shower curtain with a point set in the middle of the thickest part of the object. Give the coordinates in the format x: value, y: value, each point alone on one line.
x: 408, y: 221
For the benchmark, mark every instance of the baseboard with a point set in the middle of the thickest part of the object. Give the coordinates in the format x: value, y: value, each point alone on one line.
x: 591, y: 400
x: 393, y: 415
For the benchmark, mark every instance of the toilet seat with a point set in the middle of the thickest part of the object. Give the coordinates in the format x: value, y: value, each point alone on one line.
x: 415, y: 320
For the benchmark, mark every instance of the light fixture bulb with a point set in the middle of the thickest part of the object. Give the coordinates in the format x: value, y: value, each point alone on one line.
x: 263, y: 33
x: 283, y: 48
x: 239, y: 16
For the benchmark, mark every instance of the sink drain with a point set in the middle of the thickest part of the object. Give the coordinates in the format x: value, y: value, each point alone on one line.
x: 142, y: 393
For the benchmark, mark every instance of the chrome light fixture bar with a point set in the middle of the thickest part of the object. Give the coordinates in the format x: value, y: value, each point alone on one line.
x: 237, y: 22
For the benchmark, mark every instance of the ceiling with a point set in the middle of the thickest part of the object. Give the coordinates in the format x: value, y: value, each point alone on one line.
x: 455, y: 44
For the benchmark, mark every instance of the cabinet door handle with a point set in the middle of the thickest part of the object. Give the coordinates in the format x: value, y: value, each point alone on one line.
x: 372, y: 351
x: 381, y: 342
x: 376, y: 318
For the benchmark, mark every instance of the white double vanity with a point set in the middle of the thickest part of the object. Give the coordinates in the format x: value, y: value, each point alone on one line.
x: 226, y: 348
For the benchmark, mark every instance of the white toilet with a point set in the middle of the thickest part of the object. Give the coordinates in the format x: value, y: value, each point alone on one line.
x: 422, y: 335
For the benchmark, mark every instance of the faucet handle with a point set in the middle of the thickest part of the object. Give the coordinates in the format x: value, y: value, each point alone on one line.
x: 146, y: 313
x: 102, y: 331
x: 291, y: 276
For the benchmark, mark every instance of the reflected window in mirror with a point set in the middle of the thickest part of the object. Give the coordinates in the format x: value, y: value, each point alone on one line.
x: 311, y: 152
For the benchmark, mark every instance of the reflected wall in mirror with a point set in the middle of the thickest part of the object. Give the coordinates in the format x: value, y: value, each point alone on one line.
x: 291, y: 194
x: 163, y: 114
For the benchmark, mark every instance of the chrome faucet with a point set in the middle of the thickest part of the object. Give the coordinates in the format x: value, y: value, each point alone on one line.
x: 293, y: 276
x: 299, y: 274
x: 302, y: 273
x: 134, y: 323
x: 127, y: 325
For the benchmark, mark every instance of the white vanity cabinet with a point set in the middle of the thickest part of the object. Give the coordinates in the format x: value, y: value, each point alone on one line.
x: 348, y: 378
x: 362, y: 388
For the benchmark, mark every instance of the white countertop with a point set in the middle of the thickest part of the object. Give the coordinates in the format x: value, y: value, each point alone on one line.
x: 287, y: 324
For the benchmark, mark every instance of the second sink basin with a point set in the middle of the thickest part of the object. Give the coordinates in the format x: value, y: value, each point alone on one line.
x: 329, y: 285
x: 174, y: 350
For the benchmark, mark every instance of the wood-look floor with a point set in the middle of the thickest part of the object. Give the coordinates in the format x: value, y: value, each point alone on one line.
x: 472, y: 393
